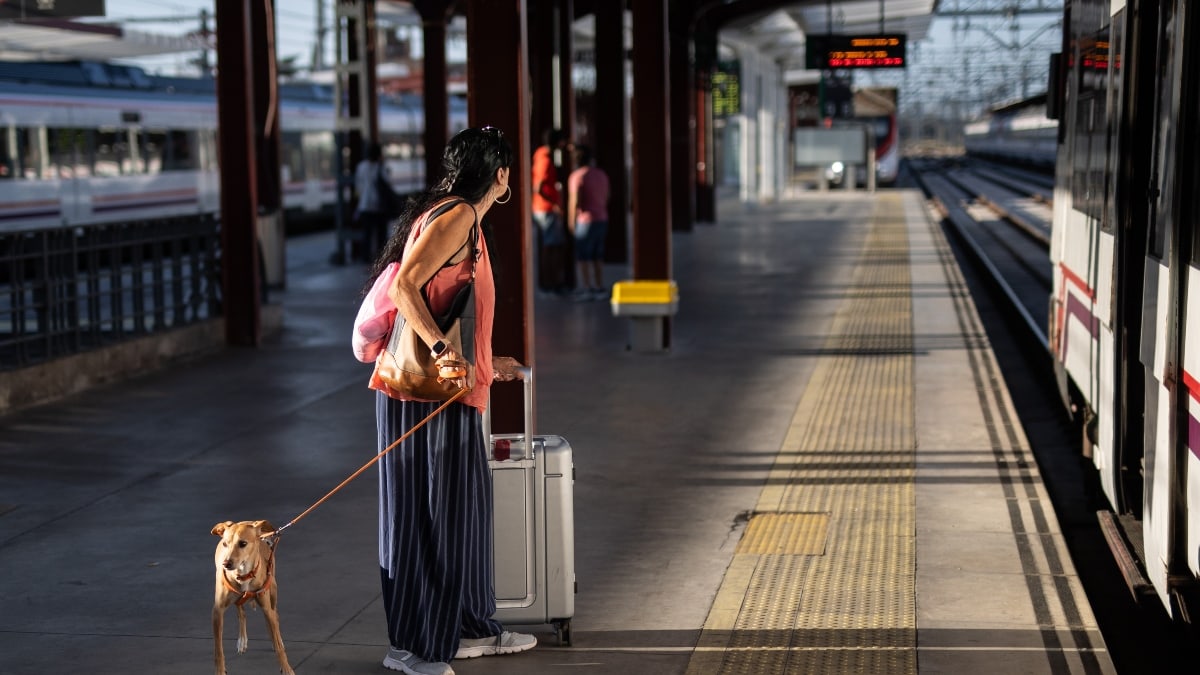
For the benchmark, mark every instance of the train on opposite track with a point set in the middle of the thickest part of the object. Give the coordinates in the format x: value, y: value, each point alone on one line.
x: 1018, y: 133
x: 1124, y: 319
x: 86, y: 143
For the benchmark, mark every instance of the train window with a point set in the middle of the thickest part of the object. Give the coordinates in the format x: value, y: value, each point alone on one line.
x: 171, y: 150
x: 207, y: 142
x: 69, y: 153
x: 112, y: 153
x: 1114, y: 106
x: 30, y: 152
x: 1165, y: 138
x: 9, y: 158
x: 319, y: 154
x: 1079, y: 152
x: 394, y: 147
x: 150, y: 150
x: 1090, y: 138
x: 1098, y: 144
x: 182, y: 151
x: 292, y: 151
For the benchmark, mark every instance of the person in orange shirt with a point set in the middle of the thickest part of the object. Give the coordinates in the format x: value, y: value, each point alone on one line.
x: 547, y: 208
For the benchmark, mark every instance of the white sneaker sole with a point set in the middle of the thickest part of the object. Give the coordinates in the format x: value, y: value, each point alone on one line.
x: 392, y: 664
x: 490, y: 650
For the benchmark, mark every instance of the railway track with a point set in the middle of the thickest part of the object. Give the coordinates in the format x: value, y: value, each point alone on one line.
x: 999, y: 226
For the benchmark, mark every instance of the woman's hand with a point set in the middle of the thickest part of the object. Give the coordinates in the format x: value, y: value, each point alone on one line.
x: 504, y: 369
x: 452, y: 367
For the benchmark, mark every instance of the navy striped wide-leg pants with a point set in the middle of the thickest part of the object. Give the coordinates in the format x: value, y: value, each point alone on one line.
x: 435, y: 528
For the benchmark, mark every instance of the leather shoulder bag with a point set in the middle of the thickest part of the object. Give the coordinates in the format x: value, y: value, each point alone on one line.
x: 406, y: 366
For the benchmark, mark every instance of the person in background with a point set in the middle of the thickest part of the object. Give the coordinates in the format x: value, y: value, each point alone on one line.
x: 369, y: 213
x: 435, y: 489
x: 587, y: 219
x: 547, y: 212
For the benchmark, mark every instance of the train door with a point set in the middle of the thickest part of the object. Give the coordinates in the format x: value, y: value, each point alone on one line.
x: 1083, y: 247
x: 1165, y: 297
x: 1186, y: 501
x: 1133, y: 73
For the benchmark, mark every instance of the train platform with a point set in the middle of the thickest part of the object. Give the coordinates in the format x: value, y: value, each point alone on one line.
x: 825, y: 474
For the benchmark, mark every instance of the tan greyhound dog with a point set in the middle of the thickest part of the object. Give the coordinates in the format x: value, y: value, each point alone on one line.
x: 245, y: 561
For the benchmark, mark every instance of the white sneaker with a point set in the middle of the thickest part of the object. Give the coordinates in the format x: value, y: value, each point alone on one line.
x: 407, y: 662
x: 504, y: 643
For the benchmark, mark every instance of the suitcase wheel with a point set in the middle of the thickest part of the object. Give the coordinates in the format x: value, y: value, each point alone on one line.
x: 562, y: 629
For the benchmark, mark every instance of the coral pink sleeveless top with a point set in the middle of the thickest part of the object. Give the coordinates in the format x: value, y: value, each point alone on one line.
x: 440, y: 291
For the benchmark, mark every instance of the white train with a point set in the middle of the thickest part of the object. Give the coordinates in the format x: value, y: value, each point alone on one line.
x: 84, y: 143
x: 1017, y: 132
x: 1124, y: 324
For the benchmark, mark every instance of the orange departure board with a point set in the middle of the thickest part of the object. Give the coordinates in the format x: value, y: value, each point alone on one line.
x: 855, y: 51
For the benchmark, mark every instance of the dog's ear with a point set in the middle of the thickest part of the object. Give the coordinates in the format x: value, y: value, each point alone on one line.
x: 264, y: 527
x: 219, y: 528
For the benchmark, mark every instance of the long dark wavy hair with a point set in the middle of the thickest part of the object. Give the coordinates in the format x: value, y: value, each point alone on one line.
x: 470, y: 162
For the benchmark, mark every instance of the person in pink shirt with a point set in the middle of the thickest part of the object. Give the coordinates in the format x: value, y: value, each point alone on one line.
x: 587, y: 219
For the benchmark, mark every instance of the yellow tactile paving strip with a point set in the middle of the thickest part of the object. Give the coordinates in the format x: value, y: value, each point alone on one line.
x: 785, y: 533
x: 844, y: 476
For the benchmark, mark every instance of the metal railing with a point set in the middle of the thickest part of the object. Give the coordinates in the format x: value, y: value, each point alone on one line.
x: 68, y: 290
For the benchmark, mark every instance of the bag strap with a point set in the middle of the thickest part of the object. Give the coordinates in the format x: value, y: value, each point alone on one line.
x: 472, y: 241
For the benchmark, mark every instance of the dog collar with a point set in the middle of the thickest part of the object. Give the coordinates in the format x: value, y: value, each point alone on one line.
x: 248, y: 595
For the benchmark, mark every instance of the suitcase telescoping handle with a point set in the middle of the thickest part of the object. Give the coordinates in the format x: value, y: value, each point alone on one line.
x: 527, y: 388
x: 526, y: 373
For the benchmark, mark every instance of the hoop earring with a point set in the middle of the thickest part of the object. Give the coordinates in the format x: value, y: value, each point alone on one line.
x: 508, y: 192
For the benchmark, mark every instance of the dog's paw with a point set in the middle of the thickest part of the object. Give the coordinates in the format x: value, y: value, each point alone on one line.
x: 243, y: 643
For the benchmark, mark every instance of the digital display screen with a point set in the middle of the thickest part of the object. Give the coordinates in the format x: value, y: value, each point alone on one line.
x: 824, y: 52
x: 726, y: 91
x: 52, y: 9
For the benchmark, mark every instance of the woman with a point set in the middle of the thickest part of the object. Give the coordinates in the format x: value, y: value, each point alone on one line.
x: 435, y: 491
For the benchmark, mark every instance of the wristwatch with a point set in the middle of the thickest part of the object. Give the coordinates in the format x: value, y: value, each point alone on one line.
x: 439, y: 347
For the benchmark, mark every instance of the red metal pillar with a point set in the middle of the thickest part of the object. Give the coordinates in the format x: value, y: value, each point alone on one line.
x: 705, y: 41
x: 434, y: 16
x: 566, y: 84
x: 271, y: 227
x: 565, y: 90
x: 610, y: 129
x: 542, y: 98
x: 651, y: 141
x: 240, y: 283
x: 357, y: 107
x: 541, y: 67
x: 683, y: 163
x: 361, y: 95
x: 498, y: 95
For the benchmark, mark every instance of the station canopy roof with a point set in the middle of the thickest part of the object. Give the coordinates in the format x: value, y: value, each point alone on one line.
x: 64, y: 39
x: 780, y: 28
x: 781, y: 32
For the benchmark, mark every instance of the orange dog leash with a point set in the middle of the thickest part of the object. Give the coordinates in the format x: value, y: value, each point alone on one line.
x: 366, y: 466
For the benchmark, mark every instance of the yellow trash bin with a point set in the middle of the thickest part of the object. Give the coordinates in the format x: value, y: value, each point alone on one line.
x: 648, y: 303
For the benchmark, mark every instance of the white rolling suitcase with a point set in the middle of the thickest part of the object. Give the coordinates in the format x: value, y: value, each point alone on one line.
x: 534, y: 543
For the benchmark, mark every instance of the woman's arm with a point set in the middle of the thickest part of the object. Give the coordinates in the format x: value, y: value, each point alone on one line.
x: 441, y: 239
x: 572, y: 204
